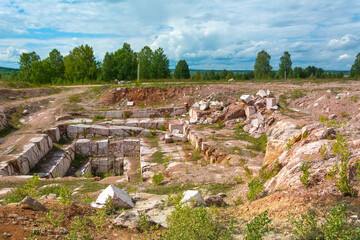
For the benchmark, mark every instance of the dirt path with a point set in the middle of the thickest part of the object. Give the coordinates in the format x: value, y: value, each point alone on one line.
x: 38, y: 120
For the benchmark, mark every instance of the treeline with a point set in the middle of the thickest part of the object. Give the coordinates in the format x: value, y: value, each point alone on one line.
x: 80, y: 66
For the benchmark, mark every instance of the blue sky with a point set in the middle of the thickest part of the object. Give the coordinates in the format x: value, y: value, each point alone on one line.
x: 207, y: 34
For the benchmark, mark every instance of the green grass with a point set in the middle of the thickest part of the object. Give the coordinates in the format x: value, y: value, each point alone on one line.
x: 256, y: 144
x: 158, y: 157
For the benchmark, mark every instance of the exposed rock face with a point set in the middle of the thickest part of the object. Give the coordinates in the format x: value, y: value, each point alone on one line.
x: 193, y: 196
x: 3, y: 121
x: 281, y: 135
x: 30, y: 203
x: 31, y: 154
x: 119, y: 198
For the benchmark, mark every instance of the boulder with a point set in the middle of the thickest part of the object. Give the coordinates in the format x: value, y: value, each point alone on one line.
x: 246, y: 98
x: 193, y: 196
x: 168, y: 138
x: 214, y: 200
x: 130, y: 219
x: 235, y: 111
x: 30, y: 203
x: 118, y: 196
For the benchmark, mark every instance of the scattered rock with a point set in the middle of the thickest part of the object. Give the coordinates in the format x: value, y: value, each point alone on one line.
x: 332, y: 116
x: 246, y: 98
x: 261, y: 93
x: 130, y: 219
x: 30, y: 203
x: 214, y: 200
x: 194, y: 197
x: 118, y: 196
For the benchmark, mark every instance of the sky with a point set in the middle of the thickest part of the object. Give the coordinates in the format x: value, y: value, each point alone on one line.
x: 219, y: 34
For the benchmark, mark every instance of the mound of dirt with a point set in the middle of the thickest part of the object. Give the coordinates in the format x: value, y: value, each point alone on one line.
x: 176, y: 95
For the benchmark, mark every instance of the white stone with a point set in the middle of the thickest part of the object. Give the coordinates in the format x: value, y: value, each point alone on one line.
x: 231, y: 80
x: 261, y: 93
x: 193, y: 195
x: 196, y: 105
x: 130, y: 103
x: 268, y: 92
x: 119, y: 198
x: 246, y: 98
x: 316, y: 104
x: 255, y: 122
x: 192, y: 121
x: 204, y: 106
x: 270, y: 102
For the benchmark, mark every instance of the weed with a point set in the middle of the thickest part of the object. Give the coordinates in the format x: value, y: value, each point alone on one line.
x: 196, y: 154
x: 162, y: 128
x: 324, y: 151
x: 158, y: 157
x: 157, y: 178
x: 65, y: 196
x: 100, y: 220
x: 76, y: 98
x: 307, y: 227
x: 304, y: 135
x: 258, y: 227
x: 98, y: 117
x: 80, y: 229
x: 174, y: 200
x: 255, y: 187
x: 248, y: 172
x: 196, y: 224
x: 27, y: 189
x: 304, y: 178
x: 238, y: 179
x: 239, y: 201
x: 358, y: 170
x: 266, y: 174
x: 50, y: 220
x: 332, y: 172
x: 353, y: 99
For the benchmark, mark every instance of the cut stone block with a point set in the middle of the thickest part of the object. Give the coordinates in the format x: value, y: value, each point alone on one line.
x: 261, y: 93
x: 118, y: 196
x: 249, y: 110
x: 246, y: 98
x: 270, y: 102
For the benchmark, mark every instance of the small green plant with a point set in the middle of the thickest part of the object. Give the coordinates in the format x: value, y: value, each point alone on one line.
x: 220, y: 124
x: 239, y: 201
x: 324, y: 151
x: 304, y: 135
x: 157, y: 178
x: 354, y: 99
x: 248, y: 172
x: 238, y: 179
x: 100, y: 220
x: 196, y: 154
x: 337, y: 226
x: 27, y: 189
x: 304, y: 178
x: 158, y: 157
x: 289, y: 144
x: 333, y: 172
x: 51, y: 220
x: 323, y: 119
x: 258, y: 227
x: 98, y: 117
x: 186, y: 170
x: 266, y: 174
x: 306, y: 227
x: 174, y: 200
x: 65, y: 196
x: 109, y: 206
x: 186, y: 222
x: 80, y: 229
x: 162, y: 128
x: 255, y: 187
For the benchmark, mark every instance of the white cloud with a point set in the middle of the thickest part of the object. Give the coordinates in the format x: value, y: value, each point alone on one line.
x: 11, y: 54
x: 348, y: 41
x: 344, y: 57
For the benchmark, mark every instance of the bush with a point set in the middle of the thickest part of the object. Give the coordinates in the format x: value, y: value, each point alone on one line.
x: 27, y: 189
x: 256, y: 229
x: 306, y: 227
x: 157, y: 178
x: 195, y: 224
x: 304, y: 178
x: 336, y: 225
x: 255, y: 188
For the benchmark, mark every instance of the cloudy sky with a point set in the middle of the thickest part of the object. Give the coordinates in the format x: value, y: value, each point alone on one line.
x: 208, y: 34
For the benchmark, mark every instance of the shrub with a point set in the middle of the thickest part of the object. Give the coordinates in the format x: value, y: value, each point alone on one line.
x: 304, y: 178
x: 157, y: 178
x: 306, y: 227
x: 65, y: 196
x: 195, y: 224
x: 50, y: 220
x: 238, y: 179
x: 196, y: 154
x: 98, y: 117
x: 256, y: 229
x: 27, y: 189
x: 255, y: 187
x: 336, y: 225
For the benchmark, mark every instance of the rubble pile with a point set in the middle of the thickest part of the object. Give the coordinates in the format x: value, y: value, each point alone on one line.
x: 256, y: 112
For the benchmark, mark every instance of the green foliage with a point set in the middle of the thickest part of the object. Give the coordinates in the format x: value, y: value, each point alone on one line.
x: 158, y: 157
x: 196, y: 224
x: 341, y: 150
x: 306, y: 227
x: 182, y: 70
x: 100, y: 220
x: 238, y: 179
x: 157, y: 178
x: 65, y: 196
x: 27, y: 189
x: 80, y: 64
x: 51, y: 220
x: 333, y: 171
x: 336, y: 225
x: 255, y: 187
x: 304, y: 178
x: 358, y: 170
x: 266, y: 174
x: 324, y: 151
x: 76, y: 98
x: 258, y: 227
x: 355, y: 68
x: 248, y: 172
x: 262, y: 67
x: 174, y: 200
x: 257, y: 144
x: 285, y: 65
x: 80, y: 229
x: 196, y: 154
x: 98, y: 117
x: 160, y: 65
